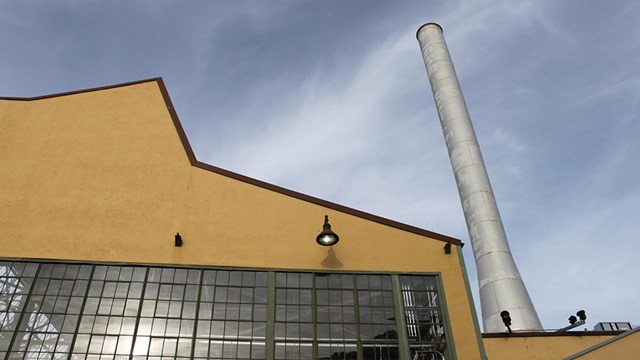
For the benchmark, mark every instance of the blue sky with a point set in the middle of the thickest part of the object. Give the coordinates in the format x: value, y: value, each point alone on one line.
x: 330, y: 98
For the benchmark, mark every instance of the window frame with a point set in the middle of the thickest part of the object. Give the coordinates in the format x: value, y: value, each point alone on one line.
x: 271, y: 303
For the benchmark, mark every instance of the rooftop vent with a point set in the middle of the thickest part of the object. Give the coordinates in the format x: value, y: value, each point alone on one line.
x: 612, y: 326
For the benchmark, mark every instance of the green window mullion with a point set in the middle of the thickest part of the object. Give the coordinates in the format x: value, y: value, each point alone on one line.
x: 194, y: 338
x: 84, y: 303
x: 401, y: 324
x: 356, y: 308
x: 444, y: 314
x: 314, y: 316
x: 271, y: 316
x: 135, y: 329
x: 25, y: 310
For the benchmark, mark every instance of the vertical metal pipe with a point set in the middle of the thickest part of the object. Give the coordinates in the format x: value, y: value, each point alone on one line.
x: 501, y: 287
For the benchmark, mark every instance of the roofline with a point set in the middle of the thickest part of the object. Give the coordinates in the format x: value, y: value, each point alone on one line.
x: 551, y: 334
x: 194, y: 162
x: 81, y: 91
x: 604, y: 343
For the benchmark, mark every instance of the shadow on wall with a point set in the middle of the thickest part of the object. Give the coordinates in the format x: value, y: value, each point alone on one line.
x: 332, y: 261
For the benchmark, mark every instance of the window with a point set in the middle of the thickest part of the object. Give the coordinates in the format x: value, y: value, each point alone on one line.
x: 423, y: 317
x: 232, y: 315
x: 95, y: 311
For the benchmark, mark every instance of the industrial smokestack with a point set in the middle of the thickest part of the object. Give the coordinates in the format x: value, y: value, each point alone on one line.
x: 501, y: 287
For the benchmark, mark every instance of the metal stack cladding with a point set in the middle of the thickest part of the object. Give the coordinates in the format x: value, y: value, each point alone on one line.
x: 501, y: 286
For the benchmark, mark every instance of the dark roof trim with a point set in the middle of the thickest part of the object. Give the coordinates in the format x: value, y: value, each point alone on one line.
x: 80, y: 91
x: 246, y: 179
x: 604, y: 343
x: 550, y: 334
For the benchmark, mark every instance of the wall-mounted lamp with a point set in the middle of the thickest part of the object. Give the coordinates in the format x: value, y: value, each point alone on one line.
x: 327, y: 237
x: 506, y: 319
x: 573, y: 321
x: 447, y: 248
x: 178, y: 240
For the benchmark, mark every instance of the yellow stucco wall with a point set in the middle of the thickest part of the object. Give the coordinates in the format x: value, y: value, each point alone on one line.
x: 539, y: 347
x: 624, y: 348
x: 103, y: 176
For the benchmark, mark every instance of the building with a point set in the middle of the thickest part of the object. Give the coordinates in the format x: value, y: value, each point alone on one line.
x: 99, y: 183
x: 118, y: 244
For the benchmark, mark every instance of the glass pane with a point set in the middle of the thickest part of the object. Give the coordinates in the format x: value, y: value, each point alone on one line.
x: 215, y: 313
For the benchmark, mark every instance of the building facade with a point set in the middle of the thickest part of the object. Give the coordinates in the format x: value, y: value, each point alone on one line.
x: 98, y: 184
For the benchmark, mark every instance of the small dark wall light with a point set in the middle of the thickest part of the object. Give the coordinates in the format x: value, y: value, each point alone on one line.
x: 574, y: 322
x: 447, y: 248
x: 327, y: 237
x: 506, y: 319
x: 178, y: 240
x: 582, y: 315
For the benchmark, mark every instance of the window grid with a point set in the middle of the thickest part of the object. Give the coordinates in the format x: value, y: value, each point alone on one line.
x: 16, y: 280
x: 294, y: 332
x: 345, y: 316
x: 109, y: 316
x: 336, y: 327
x: 76, y: 311
x: 378, y: 326
x: 423, y: 317
x: 232, y: 315
x: 167, y: 316
x: 52, y: 312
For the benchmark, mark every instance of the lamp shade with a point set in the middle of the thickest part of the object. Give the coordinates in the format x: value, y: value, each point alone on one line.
x: 327, y: 237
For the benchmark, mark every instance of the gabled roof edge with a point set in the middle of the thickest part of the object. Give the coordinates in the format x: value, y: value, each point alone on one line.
x: 602, y: 344
x: 194, y: 162
x: 157, y: 79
